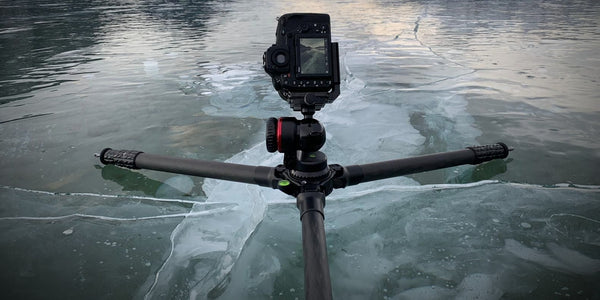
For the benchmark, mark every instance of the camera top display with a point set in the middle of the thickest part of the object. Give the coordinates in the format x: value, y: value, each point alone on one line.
x: 303, y: 62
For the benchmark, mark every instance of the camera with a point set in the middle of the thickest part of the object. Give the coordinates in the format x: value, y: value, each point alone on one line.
x: 304, y: 63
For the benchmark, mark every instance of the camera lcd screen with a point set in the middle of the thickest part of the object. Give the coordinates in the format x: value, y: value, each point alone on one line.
x: 313, y: 56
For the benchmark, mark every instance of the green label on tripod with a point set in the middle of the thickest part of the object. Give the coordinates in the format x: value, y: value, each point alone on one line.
x: 284, y: 183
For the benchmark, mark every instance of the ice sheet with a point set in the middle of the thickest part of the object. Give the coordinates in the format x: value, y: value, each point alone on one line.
x: 435, y: 242
x: 185, y: 79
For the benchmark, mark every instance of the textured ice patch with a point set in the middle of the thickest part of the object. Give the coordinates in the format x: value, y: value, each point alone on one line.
x: 238, y: 90
x: 425, y: 293
x: 556, y: 257
x: 205, y: 248
x: 179, y: 185
x: 479, y: 286
x: 360, y: 131
x: 151, y: 67
x: 228, y: 79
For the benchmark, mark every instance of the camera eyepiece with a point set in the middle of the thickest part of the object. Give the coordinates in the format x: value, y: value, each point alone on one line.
x: 280, y: 58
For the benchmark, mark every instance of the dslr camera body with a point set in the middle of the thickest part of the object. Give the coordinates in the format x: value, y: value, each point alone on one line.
x: 304, y: 63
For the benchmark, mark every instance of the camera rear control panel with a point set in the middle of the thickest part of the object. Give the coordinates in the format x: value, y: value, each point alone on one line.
x: 304, y: 61
x: 312, y: 28
x: 306, y: 83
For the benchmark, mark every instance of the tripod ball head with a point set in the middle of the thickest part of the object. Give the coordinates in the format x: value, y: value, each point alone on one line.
x: 289, y: 135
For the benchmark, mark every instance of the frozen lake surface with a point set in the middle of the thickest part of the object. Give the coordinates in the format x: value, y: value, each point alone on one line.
x: 185, y: 79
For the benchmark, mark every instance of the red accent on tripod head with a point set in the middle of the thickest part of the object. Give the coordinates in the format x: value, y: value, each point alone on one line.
x: 279, y: 148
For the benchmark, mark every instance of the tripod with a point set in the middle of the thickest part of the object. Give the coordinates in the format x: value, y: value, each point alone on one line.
x: 306, y: 175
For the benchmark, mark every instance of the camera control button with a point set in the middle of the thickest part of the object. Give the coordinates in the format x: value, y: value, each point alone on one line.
x: 303, y: 28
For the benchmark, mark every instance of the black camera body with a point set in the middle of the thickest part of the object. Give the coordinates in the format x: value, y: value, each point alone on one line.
x: 303, y: 62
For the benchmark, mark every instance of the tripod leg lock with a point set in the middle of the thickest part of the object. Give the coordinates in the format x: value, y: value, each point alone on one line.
x: 310, y: 202
x: 121, y: 158
x: 489, y: 152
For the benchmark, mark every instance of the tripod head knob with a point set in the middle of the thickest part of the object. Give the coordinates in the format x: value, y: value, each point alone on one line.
x: 271, y: 136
